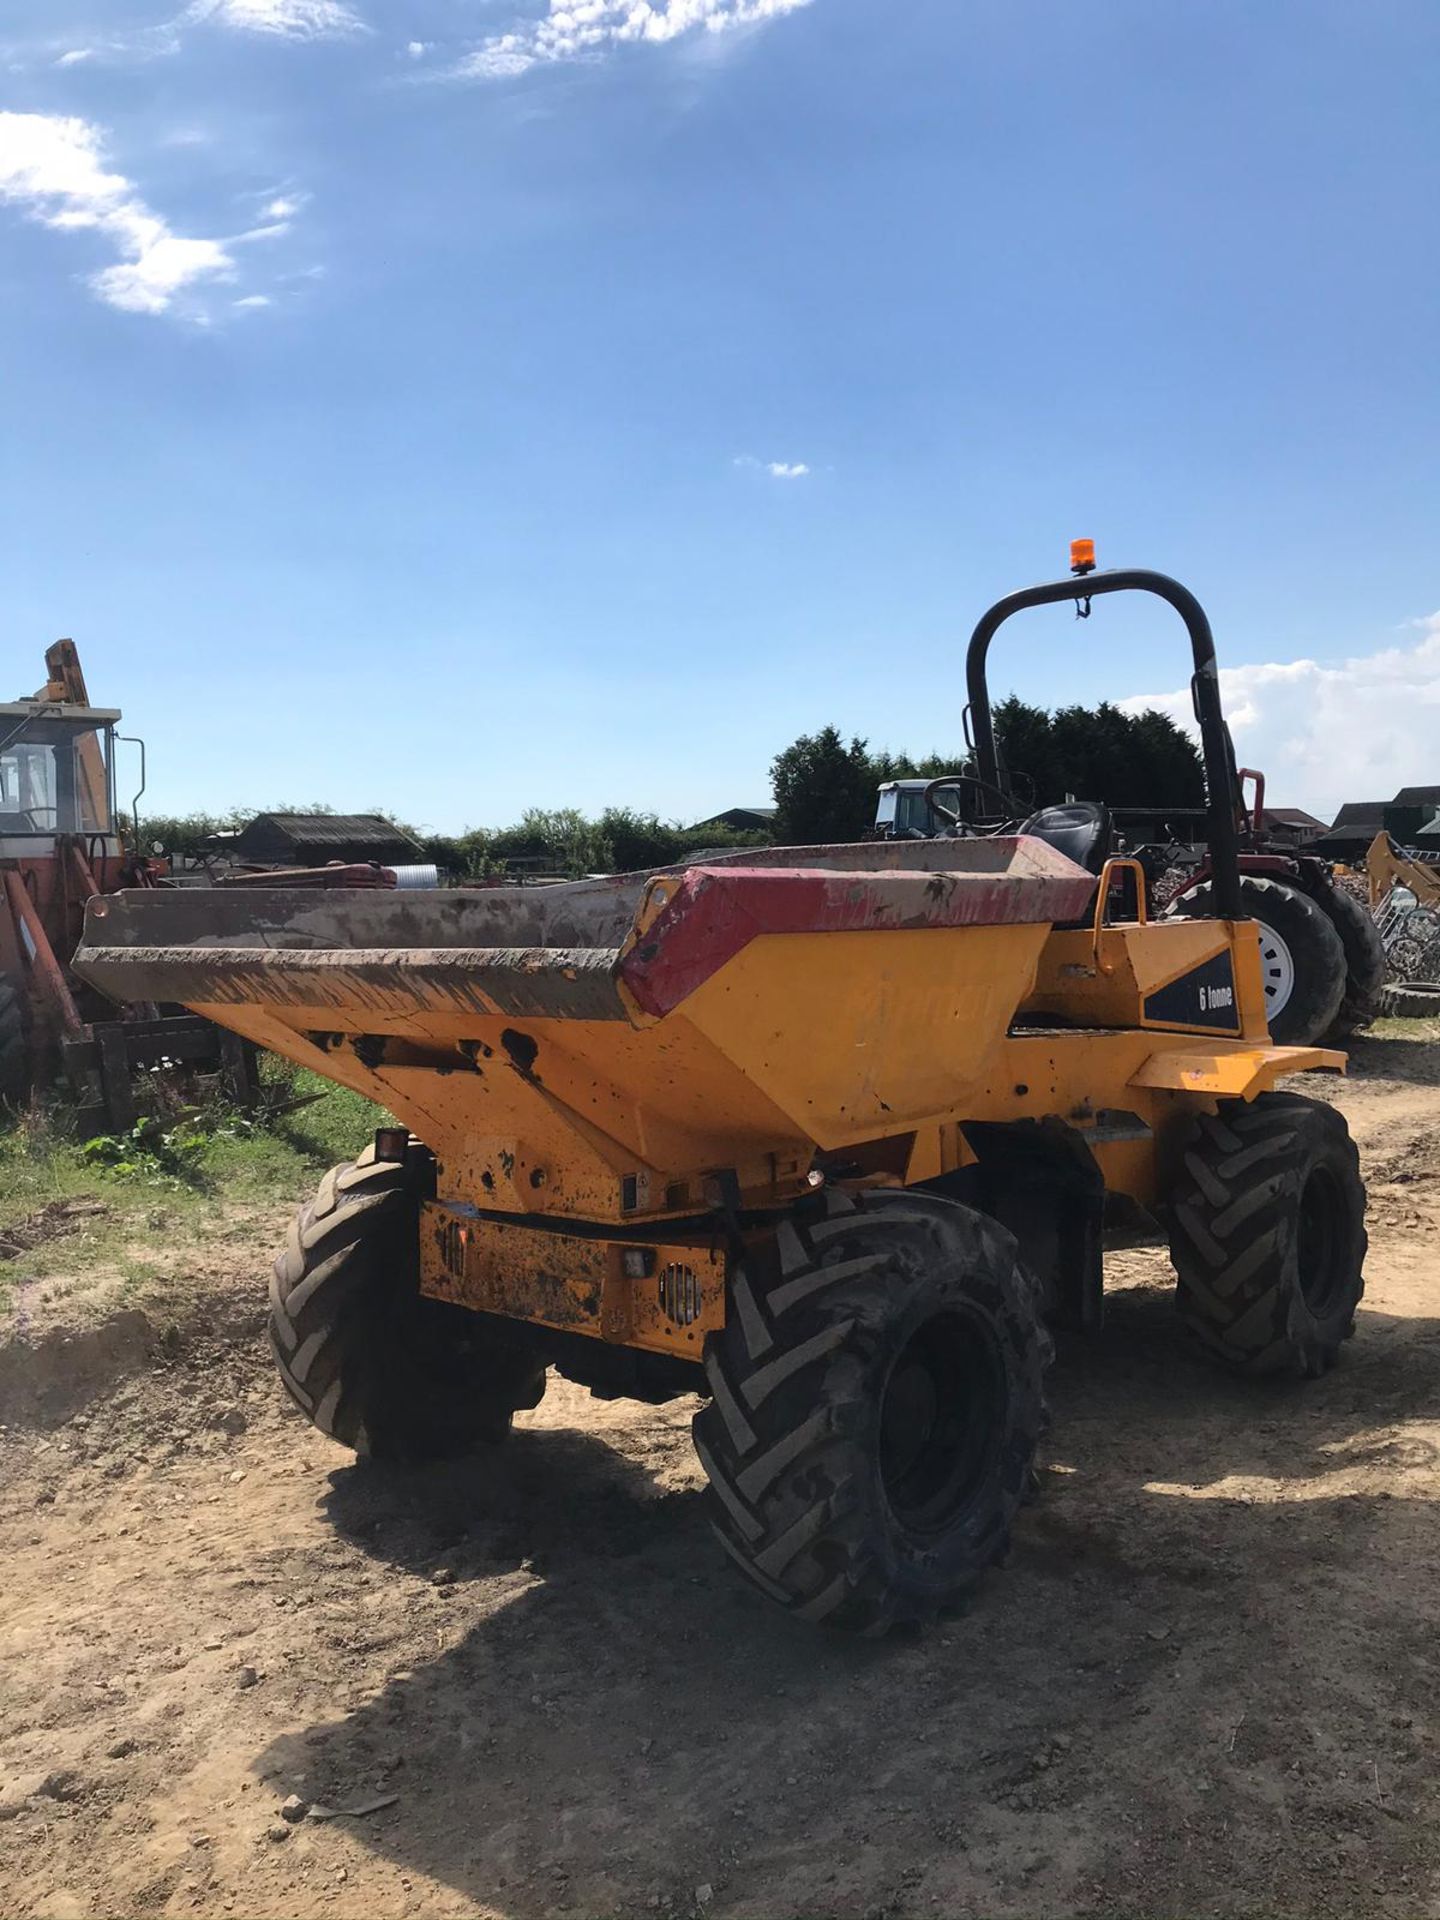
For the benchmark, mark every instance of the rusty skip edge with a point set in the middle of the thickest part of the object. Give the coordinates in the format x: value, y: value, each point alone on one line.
x: 547, y: 982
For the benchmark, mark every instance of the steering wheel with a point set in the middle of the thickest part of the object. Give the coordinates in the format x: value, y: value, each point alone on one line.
x: 955, y: 823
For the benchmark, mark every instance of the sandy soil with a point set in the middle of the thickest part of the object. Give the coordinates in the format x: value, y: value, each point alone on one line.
x: 1208, y: 1682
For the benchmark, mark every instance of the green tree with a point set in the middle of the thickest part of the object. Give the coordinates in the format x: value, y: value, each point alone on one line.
x: 824, y: 790
x: 1098, y: 753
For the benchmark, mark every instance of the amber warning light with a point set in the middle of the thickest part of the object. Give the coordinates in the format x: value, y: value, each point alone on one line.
x: 1082, y: 556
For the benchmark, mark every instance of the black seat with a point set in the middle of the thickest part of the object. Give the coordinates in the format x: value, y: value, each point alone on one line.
x: 1081, y: 830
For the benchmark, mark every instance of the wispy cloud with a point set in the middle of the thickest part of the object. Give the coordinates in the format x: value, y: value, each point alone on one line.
x: 286, y: 19
x: 1356, y: 730
x: 52, y: 168
x: 777, y: 469
x: 294, y: 20
x: 573, y: 29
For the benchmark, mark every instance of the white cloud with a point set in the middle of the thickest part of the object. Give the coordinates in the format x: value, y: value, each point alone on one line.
x: 417, y: 49
x: 1326, y: 734
x: 777, y: 469
x: 51, y: 168
x: 254, y: 300
x: 284, y: 207
x: 74, y: 57
x: 572, y: 29
x: 286, y: 19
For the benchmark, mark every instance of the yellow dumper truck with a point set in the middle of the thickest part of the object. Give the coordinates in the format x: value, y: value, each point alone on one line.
x: 828, y: 1136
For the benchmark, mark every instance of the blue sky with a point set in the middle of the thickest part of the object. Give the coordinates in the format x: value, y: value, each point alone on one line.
x: 461, y: 406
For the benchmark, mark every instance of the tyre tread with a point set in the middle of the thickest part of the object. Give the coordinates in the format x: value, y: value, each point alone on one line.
x: 1234, y: 1241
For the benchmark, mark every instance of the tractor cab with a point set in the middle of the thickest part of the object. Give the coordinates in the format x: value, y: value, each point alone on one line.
x: 902, y: 812
x: 57, y: 776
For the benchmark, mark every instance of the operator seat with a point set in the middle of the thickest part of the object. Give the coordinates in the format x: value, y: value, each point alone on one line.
x: 1082, y: 829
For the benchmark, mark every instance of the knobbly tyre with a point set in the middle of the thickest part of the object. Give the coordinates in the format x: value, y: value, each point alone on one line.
x: 828, y: 1135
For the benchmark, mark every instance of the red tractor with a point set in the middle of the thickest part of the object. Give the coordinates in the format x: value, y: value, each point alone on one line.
x: 60, y: 843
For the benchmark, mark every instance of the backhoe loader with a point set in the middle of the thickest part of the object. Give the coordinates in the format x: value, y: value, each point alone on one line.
x: 826, y: 1136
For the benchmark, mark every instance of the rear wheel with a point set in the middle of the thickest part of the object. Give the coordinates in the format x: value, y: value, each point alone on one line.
x: 1302, y: 957
x: 877, y: 1400
x: 14, y: 1065
x: 361, y: 1352
x: 1267, y: 1233
x: 1364, y: 960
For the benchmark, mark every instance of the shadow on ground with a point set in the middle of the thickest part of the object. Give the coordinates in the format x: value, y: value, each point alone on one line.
x: 1199, y: 1685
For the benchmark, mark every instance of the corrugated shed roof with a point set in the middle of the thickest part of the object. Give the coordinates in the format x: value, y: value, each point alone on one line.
x: 1417, y: 797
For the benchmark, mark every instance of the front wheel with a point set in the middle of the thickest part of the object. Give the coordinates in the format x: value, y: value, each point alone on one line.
x: 366, y: 1358
x: 1267, y: 1233
x: 876, y: 1403
x: 1302, y: 957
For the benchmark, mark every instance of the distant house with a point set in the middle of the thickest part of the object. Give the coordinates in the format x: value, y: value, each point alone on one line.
x: 315, y: 839
x: 740, y: 820
x: 1292, y: 825
x: 1411, y: 811
x: 1352, y: 830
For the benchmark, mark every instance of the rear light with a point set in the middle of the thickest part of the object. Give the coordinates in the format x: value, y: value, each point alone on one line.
x: 392, y: 1143
x: 637, y: 1263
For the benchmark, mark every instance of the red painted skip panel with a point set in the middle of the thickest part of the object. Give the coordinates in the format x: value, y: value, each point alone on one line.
x: 716, y: 911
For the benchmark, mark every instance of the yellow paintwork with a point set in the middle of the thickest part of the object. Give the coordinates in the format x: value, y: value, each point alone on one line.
x: 846, y: 1055
x: 1385, y: 868
x: 858, y: 1034
x: 1102, y: 980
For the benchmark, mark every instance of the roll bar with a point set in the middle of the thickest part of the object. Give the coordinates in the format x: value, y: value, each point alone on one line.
x: 1204, y: 693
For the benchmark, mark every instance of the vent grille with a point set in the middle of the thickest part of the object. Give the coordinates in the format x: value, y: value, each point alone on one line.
x: 679, y: 1288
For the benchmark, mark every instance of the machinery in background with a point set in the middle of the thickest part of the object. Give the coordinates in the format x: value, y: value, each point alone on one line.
x: 1405, y: 900
x: 61, y: 843
x: 1321, y: 955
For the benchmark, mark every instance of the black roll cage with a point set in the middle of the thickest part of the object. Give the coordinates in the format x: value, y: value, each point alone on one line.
x: 1221, y: 831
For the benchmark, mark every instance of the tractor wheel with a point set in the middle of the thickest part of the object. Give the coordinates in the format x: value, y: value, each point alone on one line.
x: 1411, y: 1000
x: 14, y: 1062
x: 1267, y: 1232
x: 362, y: 1353
x: 1364, y: 961
x: 877, y: 1400
x: 1302, y: 957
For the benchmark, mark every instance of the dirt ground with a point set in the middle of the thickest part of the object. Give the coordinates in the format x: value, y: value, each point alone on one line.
x: 1208, y: 1681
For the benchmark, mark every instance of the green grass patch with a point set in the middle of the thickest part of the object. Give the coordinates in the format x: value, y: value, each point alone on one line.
x: 72, y: 1207
x: 1396, y: 1029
